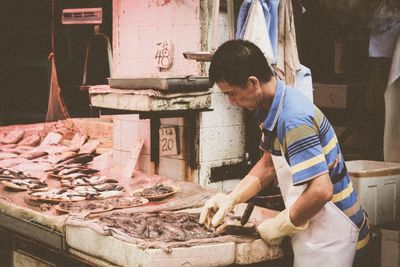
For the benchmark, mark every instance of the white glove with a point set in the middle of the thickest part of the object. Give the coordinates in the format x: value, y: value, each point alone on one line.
x: 274, y: 230
x: 217, y: 207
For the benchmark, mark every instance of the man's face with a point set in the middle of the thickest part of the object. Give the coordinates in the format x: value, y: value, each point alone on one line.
x: 247, y: 97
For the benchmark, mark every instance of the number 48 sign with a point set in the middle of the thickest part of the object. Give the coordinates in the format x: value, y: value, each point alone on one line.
x: 164, y: 55
x: 168, y: 141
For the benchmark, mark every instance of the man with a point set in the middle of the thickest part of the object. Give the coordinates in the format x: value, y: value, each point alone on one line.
x: 323, y: 217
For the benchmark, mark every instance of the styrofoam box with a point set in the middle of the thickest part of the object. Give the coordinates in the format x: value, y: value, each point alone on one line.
x: 378, y: 187
x: 390, y: 247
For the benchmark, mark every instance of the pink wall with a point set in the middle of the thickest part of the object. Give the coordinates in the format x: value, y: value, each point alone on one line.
x: 139, y: 24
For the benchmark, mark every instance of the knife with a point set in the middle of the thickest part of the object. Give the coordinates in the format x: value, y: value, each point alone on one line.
x: 249, y: 209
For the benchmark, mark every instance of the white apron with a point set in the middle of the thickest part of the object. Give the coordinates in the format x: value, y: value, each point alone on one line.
x: 330, y: 239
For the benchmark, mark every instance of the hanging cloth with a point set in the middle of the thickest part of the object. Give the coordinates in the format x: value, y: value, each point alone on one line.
x: 257, y: 22
x: 98, y: 60
x: 391, y: 141
x: 385, y: 29
x: 56, y: 109
x: 287, y: 60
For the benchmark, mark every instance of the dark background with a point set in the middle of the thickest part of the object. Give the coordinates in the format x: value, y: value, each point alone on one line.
x: 24, y: 48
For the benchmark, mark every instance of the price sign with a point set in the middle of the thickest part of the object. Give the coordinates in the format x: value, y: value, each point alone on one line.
x: 164, y: 55
x: 168, y: 141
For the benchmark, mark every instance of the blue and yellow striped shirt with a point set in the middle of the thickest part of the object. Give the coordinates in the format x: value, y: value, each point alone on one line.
x: 295, y: 127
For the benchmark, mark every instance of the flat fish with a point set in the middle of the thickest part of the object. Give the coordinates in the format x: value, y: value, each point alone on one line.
x: 78, y: 140
x: 81, y: 159
x: 105, y: 187
x: 90, y: 146
x: 11, y: 150
x: 7, y: 155
x: 13, y: 137
x: 8, y: 146
x: 32, y: 140
x: 51, y: 138
x: 34, y: 155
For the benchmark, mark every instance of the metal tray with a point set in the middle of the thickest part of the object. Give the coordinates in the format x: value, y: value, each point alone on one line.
x: 186, y: 83
x: 199, y: 56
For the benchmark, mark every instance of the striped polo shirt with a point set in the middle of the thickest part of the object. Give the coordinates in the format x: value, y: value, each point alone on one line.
x: 295, y: 127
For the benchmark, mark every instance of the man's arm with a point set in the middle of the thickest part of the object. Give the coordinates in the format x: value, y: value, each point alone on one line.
x: 264, y: 169
x: 318, y: 192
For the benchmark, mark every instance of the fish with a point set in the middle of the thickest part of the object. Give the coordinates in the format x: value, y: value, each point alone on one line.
x: 13, y: 137
x: 32, y: 140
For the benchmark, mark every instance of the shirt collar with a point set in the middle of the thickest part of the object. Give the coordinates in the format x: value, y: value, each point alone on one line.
x: 274, y: 111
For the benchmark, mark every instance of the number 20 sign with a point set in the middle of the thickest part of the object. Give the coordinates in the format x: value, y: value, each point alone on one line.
x: 168, y: 141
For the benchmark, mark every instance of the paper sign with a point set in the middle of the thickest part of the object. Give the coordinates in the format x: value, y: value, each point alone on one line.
x: 168, y: 141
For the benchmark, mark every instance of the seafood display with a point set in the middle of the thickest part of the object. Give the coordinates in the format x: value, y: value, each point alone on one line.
x: 8, y: 174
x: 78, y: 207
x: 157, y: 191
x: 163, y: 226
x: 100, y: 205
x: 56, y: 195
x: 93, y: 180
x: 32, y: 184
x: 126, y: 202
x: 76, y: 194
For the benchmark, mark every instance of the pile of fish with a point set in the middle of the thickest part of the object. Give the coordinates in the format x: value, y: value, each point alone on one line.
x: 65, y: 159
x: 100, y: 205
x: 77, y: 193
x: 20, y: 181
x: 32, y: 184
x: 154, y: 191
x: 78, y: 207
x: 60, y: 194
x: 165, y: 226
x: 16, y: 147
x: 72, y: 166
x: 8, y: 174
x: 126, y: 202
x: 100, y: 183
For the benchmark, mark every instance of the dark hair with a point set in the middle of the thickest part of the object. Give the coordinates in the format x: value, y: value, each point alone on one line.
x: 236, y: 60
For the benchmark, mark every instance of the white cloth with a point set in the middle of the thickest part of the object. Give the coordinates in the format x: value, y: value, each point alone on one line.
x: 304, y: 82
x: 331, y: 238
x: 391, y: 141
x: 254, y: 27
x: 382, y: 43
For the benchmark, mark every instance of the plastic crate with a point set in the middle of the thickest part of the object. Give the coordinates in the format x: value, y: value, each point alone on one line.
x: 378, y: 187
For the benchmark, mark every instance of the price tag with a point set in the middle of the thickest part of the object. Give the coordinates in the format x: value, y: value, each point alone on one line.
x: 164, y: 55
x: 168, y: 141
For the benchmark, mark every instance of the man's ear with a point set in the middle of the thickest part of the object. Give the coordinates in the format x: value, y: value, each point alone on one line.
x: 252, y: 81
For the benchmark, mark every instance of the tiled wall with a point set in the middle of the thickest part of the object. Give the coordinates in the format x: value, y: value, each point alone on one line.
x: 222, y: 138
x: 138, y: 25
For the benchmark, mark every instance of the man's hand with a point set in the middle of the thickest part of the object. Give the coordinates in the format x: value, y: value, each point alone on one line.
x: 216, y: 208
x: 274, y: 230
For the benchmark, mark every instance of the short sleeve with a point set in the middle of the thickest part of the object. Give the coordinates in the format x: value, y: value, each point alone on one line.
x: 303, y: 149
